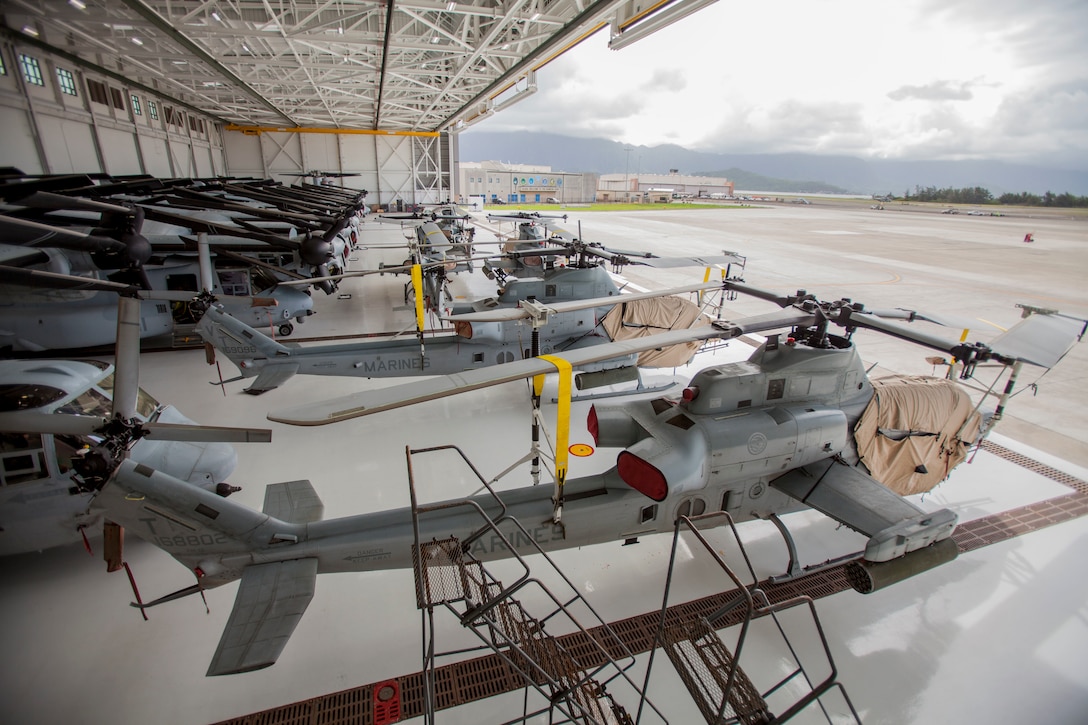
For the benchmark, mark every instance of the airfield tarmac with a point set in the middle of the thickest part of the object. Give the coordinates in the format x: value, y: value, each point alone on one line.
x: 997, y: 636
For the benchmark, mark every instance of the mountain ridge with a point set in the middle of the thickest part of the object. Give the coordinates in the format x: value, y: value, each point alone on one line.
x: 805, y: 173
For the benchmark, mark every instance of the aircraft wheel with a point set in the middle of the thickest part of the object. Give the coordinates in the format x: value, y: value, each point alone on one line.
x: 286, y: 329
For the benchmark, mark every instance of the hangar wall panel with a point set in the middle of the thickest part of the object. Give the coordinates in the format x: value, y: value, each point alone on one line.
x: 156, y: 156
x: 59, y: 121
x: 119, y: 152
x: 359, y: 156
x: 19, y: 148
x: 242, y: 154
x: 203, y: 161
x: 321, y: 152
x: 413, y: 169
x: 182, y: 158
x: 68, y: 145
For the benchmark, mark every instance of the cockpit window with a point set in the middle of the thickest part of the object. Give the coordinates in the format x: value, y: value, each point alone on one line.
x: 24, y: 397
x: 145, y: 404
x: 90, y: 402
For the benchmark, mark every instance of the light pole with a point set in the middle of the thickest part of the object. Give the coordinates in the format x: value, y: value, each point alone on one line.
x: 627, y: 175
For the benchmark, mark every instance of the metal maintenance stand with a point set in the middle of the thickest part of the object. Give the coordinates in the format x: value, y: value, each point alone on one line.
x: 711, y: 670
x: 580, y: 683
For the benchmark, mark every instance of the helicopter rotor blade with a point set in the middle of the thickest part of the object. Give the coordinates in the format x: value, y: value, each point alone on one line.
x: 126, y: 376
x: 26, y: 233
x: 1040, y: 339
x: 959, y: 322
x: 54, y: 280
x: 61, y: 202
x: 50, y: 423
x: 518, y: 313
x: 398, y: 396
x: 206, y: 433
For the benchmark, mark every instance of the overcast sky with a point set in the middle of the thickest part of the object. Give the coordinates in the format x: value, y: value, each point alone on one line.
x: 915, y: 79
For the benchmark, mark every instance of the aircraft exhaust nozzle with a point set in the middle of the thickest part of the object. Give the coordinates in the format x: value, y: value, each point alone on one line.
x: 867, y: 576
x: 599, y: 378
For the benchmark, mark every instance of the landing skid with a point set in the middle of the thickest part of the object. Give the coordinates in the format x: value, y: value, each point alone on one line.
x: 794, y: 570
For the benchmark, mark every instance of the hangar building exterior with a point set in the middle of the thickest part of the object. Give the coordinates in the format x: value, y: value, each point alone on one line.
x: 636, y: 188
x: 498, y: 182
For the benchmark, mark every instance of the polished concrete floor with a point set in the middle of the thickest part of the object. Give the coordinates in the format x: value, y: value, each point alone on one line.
x: 997, y: 636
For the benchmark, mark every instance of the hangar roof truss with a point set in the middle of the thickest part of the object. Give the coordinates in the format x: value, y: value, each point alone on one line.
x: 399, y: 65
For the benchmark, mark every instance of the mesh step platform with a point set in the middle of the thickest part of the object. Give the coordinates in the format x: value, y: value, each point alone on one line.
x: 573, y: 675
x: 711, y: 670
x: 712, y: 675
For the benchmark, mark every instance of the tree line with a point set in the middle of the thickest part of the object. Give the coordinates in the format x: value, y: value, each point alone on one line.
x: 979, y: 195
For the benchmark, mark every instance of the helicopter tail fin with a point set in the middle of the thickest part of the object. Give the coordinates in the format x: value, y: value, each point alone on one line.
x: 252, y: 352
x: 214, y: 538
x: 261, y: 623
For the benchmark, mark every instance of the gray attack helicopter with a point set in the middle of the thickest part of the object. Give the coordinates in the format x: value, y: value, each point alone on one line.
x: 498, y: 333
x: 757, y: 439
x: 66, y: 424
x: 569, y: 307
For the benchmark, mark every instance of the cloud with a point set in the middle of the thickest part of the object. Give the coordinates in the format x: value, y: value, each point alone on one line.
x: 936, y: 91
x: 669, y: 80
x: 980, y: 79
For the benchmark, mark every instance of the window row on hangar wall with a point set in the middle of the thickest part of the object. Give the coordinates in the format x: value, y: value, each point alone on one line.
x: 64, y: 93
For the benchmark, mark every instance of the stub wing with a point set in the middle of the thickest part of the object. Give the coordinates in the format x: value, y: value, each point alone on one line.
x: 272, y: 375
x: 271, y: 600
x: 894, y: 525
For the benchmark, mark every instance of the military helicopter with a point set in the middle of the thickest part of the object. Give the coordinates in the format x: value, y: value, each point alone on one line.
x: 321, y: 177
x: 475, y: 343
x: 64, y: 426
x: 758, y: 439
x: 258, y: 216
x: 35, y: 315
x: 486, y: 332
x: 534, y: 231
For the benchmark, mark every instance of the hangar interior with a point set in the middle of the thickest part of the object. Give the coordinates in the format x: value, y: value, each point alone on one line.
x: 276, y: 90
x: 378, y: 91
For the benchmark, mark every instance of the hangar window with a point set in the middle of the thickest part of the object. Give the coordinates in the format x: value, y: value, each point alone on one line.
x: 3, y: 68
x: 153, y: 110
x: 32, y: 71
x: 118, y: 98
x: 66, y: 81
x: 97, y: 92
x: 136, y: 104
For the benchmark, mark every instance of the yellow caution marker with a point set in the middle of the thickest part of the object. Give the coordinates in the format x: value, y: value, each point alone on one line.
x: 562, y: 424
x: 417, y: 287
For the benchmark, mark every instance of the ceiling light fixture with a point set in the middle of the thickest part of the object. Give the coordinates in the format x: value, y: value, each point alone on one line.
x: 216, y: 18
x: 78, y: 4
x: 30, y: 31
x: 137, y: 41
x: 450, y: 6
